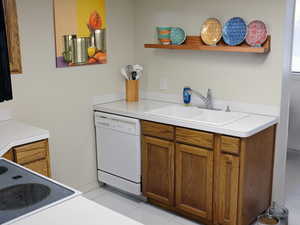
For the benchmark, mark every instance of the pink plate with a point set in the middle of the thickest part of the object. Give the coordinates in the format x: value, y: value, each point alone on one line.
x: 257, y: 33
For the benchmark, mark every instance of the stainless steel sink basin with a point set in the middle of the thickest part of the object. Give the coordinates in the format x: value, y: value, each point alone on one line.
x: 22, y: 195
x: 191, y: 113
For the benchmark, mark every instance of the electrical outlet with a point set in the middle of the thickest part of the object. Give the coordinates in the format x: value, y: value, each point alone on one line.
x: 163, y: 83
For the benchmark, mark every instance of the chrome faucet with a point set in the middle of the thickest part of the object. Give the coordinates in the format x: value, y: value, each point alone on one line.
x: 207, y: 100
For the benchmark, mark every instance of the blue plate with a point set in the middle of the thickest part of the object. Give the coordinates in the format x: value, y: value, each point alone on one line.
x: 234, y: 31
x: 178, y: 36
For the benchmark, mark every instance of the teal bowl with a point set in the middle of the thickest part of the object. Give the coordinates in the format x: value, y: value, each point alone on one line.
x: 164, y: 35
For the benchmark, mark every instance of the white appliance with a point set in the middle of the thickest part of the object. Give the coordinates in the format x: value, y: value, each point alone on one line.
x: 119, y: 151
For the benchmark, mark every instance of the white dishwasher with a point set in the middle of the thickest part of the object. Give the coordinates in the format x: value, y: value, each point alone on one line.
x: 119, y: 151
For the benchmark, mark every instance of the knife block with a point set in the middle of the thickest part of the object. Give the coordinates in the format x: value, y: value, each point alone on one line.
x: 132, y: 90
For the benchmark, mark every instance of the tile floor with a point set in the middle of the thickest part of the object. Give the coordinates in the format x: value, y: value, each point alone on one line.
x: 151, y: 215
x: 135, y: 209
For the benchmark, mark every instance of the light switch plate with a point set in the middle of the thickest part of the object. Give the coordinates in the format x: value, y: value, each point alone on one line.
x: 163, y: 83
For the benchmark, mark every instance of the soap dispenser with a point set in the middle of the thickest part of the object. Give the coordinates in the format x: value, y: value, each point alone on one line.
x: 187, y: 94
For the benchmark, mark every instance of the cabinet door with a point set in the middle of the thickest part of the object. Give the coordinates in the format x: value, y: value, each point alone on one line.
x: 34, y: 156
x: 194, y: 180
x: 158, y: 170
x: 227, y: 193
x: 40, y: 167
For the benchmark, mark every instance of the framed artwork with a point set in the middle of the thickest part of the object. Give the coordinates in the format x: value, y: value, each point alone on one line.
x: 80, y: 32
x: 13, y: 39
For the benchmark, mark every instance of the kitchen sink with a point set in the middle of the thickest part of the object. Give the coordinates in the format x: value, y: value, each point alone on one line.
x: 23, y: 192
x: 195, y: 114
x: 22, y: 195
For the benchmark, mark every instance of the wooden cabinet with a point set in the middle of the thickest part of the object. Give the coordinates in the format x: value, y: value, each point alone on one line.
x: 227, y: 190
x: 158, y: 170
x: 31, y: 152
x: 40, y: 166
x: 230, y: 145
x: 194, y: 180
x: 195, y: 138
x: 212, y: 178
x: 256, y: 175
x: 34, y: 156
x: 9, y: 156
x: 161, y: 131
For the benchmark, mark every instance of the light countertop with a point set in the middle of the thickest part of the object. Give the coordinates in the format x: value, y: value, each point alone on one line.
x: 14, y: 133
x: 77, y: 211
x: 243, y: 128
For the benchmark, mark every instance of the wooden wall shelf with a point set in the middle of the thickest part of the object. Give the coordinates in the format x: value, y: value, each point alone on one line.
x: 195, y: 43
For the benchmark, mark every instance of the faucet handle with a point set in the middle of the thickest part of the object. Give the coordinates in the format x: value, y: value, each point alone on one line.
x: 209, y: 93
x: 228, y: 109
x: 209, y: 99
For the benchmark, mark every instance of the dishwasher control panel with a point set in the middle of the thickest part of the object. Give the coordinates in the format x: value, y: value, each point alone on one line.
x: 122, y: 124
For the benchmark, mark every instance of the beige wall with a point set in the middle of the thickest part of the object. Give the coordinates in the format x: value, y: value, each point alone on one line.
x: 60, y: 100
x: 247, y: 78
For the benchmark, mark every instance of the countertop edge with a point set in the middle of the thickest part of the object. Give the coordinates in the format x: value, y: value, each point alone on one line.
x: 32, y: 134
x: 6, y: 148
x: 187, y: 124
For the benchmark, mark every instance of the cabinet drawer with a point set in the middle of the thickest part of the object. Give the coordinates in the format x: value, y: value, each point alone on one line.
x: 31, y: 152
x: 230, y: 145
x: 193, y: 137
x: 40, y: 167
x: 158, y: 130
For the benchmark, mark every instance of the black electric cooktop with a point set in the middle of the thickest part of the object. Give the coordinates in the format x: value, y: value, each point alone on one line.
x: 22, y: 192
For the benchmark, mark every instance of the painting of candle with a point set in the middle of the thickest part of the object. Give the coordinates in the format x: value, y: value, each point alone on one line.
x: 80, y: 32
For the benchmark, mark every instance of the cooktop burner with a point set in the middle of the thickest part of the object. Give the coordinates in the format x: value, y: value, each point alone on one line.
x: 22, y: 195
x: 3, y: 170
x: 22, y: 192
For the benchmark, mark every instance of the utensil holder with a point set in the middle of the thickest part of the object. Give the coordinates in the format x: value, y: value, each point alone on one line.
x: 132, y: 90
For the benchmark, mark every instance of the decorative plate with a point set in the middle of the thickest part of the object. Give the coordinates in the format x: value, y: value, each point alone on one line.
x: 178, y: 36
x: 211, y: 31
x: 234, y: 31
x: 257, y: 33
